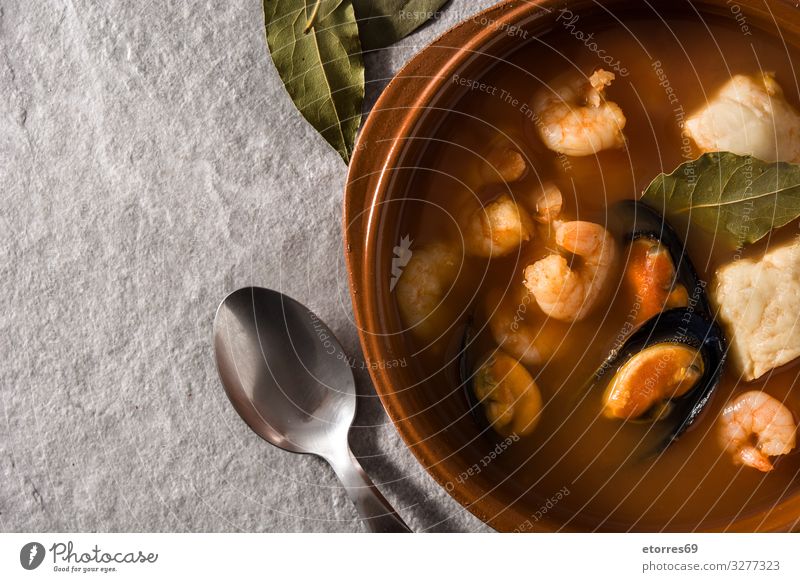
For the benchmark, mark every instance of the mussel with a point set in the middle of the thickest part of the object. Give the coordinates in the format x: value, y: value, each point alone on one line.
x: 466, y: 372
x: 667, y: 369
x: 697, y: 339
x: 500, y: 391
x: 641, y: 224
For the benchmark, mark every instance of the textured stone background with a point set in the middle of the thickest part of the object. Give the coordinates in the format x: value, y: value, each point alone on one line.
x: 150, y: 162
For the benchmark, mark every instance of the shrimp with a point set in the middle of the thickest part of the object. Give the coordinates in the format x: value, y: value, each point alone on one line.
x: 569, y: 294
x: 574, y: 118
x: 530, y: 344
x: 422, y: 287
x: 756, y: 426
x: 496, y: 229
x: 547, y: 203
x: 749, y: 116
x: 504, y: 164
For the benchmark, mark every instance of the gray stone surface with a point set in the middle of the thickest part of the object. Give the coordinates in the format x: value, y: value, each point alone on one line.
x: 150, y: 162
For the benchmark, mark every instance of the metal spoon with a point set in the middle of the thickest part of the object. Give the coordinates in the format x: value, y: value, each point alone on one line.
x: 290, y: 381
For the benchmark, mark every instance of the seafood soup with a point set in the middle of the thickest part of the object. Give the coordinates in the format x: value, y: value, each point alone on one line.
x: 580, y: 273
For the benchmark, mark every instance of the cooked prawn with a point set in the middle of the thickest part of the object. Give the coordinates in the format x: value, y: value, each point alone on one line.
x: 569, y: 294
x: 497, y: 228
x: 547, y: 203
x: 425, y: 281
x: 529, y: 343
x: 755, y: 426
x: 574, y: 118
x: 504, y: 164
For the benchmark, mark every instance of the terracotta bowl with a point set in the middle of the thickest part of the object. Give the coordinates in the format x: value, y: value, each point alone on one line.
x: 438, y: 430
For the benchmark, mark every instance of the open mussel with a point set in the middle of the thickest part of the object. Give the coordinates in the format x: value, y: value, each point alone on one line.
x: 665, y: 372
x: 500, y: 391
x: 658, y: 272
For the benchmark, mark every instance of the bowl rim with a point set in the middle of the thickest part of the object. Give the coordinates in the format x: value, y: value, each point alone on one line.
x: 374, y: 158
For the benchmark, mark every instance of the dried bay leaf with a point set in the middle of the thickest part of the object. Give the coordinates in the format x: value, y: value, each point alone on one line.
x: 384, y: 22
x: 315, y: 47
x: 739, y: 199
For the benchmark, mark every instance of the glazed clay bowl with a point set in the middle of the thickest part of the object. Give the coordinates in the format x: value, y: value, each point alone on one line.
x: 439, y: 431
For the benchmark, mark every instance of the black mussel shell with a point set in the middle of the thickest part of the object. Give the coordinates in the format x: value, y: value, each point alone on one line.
x: 466, y: 374
x: 682, y: 326
x: 638, y: 220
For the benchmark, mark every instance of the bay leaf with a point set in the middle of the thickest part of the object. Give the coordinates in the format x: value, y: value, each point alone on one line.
x: 738, y: 199
x: 330, y: 7
x: 384, y: 22
x: 316, y: 49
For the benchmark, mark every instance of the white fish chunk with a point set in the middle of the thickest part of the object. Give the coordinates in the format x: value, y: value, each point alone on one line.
x: 749, y: 116
x: 759, y: 304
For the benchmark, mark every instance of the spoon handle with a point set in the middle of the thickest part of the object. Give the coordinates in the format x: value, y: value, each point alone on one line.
x: 376, y: 513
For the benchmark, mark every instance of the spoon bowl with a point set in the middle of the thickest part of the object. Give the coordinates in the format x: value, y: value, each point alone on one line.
x: 289, y: 379
x: 283, y: 370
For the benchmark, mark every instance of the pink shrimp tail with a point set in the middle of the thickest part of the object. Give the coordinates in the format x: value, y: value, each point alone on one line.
x: 752, y: 457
